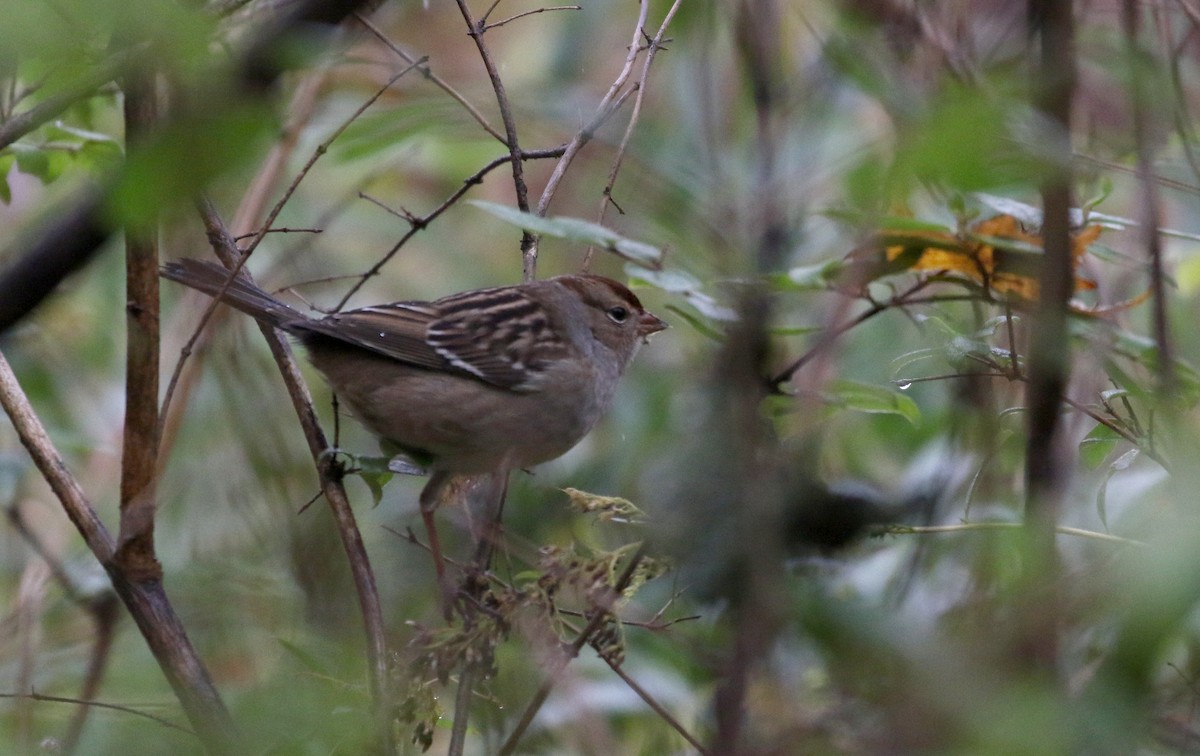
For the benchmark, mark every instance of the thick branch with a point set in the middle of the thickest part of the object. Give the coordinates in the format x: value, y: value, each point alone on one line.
x: 147, y: 602
x: 139, y: 459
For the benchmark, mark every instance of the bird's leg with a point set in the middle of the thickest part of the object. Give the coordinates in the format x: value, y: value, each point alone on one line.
x: 431, y: 496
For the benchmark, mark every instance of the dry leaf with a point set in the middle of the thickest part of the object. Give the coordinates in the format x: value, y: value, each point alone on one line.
x: 997, y: 253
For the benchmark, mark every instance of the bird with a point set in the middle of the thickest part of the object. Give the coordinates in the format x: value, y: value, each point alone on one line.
x: 481, y: 382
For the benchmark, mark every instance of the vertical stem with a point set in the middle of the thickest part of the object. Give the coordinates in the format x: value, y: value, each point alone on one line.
x: 1049, y: 354
x: 1148, y: 213
x: 139, y: 459
x: 740, y: 386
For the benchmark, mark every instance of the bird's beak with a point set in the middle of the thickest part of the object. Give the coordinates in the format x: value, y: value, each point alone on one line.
x: 649, y: 323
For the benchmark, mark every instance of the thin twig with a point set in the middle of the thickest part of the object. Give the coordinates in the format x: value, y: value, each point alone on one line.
x: 969, y: 526
x: 321, y: 149
x: 528, y: 247
x: 658, y: 708
x: 488, y: 27
x: 419, y: 224
x: 428, y: 73
x: 104, y: 612
x: 829, y: 336
x: 34, y: 696
x: 608, y: 105
x: 300, y: 111
x: 652, y: 48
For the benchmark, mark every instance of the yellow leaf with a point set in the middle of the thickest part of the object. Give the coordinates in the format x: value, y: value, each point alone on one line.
x: 997, y: 253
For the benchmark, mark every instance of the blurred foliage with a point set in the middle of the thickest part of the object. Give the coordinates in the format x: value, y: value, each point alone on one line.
x: 842, y: 534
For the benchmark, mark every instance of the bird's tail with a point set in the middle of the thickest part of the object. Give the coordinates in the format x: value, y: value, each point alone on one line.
x: 212, y: 279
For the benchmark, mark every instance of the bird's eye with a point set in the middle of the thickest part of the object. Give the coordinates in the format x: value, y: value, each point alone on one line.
x: 618, y: 314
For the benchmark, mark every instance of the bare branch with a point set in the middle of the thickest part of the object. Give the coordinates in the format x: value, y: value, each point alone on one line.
x: 608, y: 104
x: 652, y: 48
x: 428, y: 73
x: 419, y: 224
x: 147, y: 602
x: 321, y: 149
x: 528, y: 245
x: 331, y: 486
x: 488, y: 27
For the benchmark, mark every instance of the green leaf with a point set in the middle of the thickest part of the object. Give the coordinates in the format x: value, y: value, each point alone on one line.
x: 698, y: 323
x: 306, y: 659
x: 33, y: 161
x: 816, y: 277
x: 1119, y: 464
x: 683, y: 284
x: 795, y: 330
x: 872, y: 399
x: 1116, y: 393
x: 577, y: 229
x: 60, y: 129
x: 671, y: 280
x: 376, y: 473
x: 992, y: 325
x: 1097, y: 445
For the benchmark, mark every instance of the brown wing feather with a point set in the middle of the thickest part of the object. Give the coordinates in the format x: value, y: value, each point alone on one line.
x: 499, y: 336
x: 395, y: 330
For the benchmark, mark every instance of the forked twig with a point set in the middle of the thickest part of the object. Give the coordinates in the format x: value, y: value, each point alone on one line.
x: 608, y: 104
x: 419, y: 224
x: 652, y: 47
